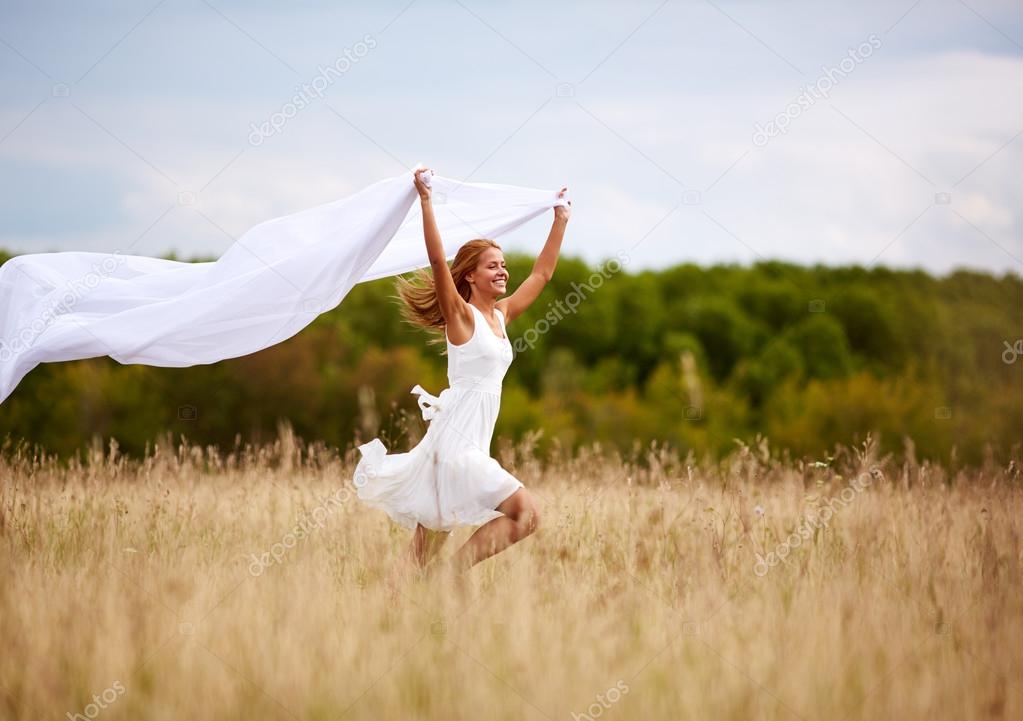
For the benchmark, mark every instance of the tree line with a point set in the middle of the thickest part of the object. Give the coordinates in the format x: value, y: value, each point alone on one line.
x: 697, y: 357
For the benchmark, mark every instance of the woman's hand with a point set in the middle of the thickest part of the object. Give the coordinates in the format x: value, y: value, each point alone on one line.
x: 423, y: 188
x: 563, y: 212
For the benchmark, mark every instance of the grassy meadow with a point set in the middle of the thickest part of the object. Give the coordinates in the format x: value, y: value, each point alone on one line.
x: 201, y: 585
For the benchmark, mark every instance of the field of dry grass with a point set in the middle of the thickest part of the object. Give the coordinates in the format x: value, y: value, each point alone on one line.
x: 253, y: 586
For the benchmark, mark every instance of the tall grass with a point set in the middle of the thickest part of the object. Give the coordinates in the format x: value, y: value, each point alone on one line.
x: 130, y: 591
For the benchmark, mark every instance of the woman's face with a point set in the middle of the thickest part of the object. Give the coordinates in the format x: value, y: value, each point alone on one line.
x: 491, y: 274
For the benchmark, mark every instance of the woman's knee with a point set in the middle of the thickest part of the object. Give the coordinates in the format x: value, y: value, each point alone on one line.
x: 522, y: 509
x: 527, y: 518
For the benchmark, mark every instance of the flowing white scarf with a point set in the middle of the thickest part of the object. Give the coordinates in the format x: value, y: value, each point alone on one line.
x: 266, y: 287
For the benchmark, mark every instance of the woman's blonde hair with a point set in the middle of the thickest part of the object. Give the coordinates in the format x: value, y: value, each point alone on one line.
x: 418, y: 295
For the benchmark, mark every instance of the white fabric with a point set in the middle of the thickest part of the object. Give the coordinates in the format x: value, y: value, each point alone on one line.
x: 449, y: 479
x: 266, y: 287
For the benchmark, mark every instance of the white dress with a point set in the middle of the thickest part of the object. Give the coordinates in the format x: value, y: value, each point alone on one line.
x: 449, y: 479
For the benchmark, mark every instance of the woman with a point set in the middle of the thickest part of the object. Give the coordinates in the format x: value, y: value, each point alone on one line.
x: 449, y: 479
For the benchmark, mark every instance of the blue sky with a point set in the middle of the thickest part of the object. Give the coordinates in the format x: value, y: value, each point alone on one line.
x: 126, y: 125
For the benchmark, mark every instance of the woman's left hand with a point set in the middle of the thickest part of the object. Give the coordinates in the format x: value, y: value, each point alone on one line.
x: 563, y: 212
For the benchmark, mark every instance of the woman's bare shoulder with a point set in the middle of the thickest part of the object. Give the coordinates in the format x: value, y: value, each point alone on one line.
x: 460, y: 323
x: 504, y: 305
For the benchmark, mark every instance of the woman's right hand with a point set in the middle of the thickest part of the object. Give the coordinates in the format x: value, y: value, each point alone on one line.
x: 423, y: 188
x: 563, y: 212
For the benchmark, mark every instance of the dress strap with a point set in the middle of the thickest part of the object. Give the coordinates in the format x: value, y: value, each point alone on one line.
x: 475, y: 330
x: 480, y: 318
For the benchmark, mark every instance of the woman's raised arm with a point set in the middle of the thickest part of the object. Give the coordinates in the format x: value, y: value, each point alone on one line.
x: 452, y: 306
x: 543, y: 269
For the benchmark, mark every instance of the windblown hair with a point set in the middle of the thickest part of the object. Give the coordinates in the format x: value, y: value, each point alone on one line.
x: 419, y: 305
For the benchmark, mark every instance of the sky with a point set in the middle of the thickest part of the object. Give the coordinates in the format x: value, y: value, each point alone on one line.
x: 870, y: 133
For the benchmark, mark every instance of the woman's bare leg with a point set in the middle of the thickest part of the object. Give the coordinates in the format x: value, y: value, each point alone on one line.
x: 521, y: 517
x: 425, y: 545
x: 421, y: 550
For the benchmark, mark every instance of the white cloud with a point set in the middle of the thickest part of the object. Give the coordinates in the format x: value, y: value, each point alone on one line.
x: 825, y: 191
